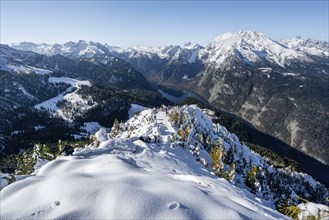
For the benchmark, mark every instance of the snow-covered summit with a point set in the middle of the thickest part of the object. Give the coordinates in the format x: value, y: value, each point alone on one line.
x: 26, y: 46
x: 156, y: 166
x: 246, y: 34
x: 80, y: 49
x: 250, y: 47
x: 89, y: 49
x: 307, y: 45
x: 247, y: 46
x: 172, y: 53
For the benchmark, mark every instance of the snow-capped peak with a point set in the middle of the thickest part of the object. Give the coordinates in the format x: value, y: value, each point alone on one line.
x: 242, y: 34
x: 307, y: 45
x: 250, y: 47
x: 27, y: 46
x: 190, y: 45
x: 80, y: 49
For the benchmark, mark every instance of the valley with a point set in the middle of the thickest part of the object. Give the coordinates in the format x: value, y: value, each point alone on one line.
x: 281, y: 90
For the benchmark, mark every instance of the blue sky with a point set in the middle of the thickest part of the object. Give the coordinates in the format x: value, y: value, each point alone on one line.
x: 156, y: 23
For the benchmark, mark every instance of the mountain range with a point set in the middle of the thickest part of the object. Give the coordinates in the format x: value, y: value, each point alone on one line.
x: 281, y: 87
x: 165, y: 132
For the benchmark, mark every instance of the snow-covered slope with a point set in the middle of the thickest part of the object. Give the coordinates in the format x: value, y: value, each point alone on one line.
x: 307, y: 45
x: 186, y: 53
x: 247, y: 47
x: 127, y: 178
x: 83, y: 49
x: 122, y: 184
x: 72, y: 98
x: 250, y: 47
x: 13, y: 61
x: 73, y: 50
x: 169, y: 177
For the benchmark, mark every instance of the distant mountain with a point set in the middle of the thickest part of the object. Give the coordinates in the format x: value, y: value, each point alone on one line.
x: 174, y: 63
x: 54, y: 92
x: 72, y: 50
x: 282, y: 91
x: 279, y: 86
x: 152, y: 61
x: 307, y: 45
x: 250, y: 48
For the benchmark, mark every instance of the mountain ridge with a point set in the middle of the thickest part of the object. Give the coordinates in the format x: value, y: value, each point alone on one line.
x: 246, y: 73
x: 178, y: 146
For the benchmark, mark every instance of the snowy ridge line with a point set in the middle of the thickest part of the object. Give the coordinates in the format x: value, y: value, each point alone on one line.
x: 201, y: 135
x: 123, y: 174
x: 248, y: 46
x: 18, y: 68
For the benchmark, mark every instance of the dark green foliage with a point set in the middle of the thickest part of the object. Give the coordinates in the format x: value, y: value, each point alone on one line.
x: 174, y: 117
x: 274, y: 159
x: 233, y: 124
x: 216, y: 155
x: 291, y: 211
x: 115, y: 103
x: 9, y: 164
x: 251, y: 179
x: 25, y: 120
x: 262, y: 143
x: 34, y: 84
x: 229, y: 175
x: 286, y: 207
x: 115, y: 128
x: 229, y: 157
x: 23, y: 162
x: 18, y: 164
x: 193, y: 100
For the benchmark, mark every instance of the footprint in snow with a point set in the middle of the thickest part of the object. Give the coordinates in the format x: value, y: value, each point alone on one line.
x: 173, y: 205
x: 176, y: 205
x: 56, y: 203
x: 37, y: 213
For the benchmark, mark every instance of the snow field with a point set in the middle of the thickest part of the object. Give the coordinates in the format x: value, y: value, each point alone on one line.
x: 126, y: 178
x: 69, y: 95
x: 120, y: 184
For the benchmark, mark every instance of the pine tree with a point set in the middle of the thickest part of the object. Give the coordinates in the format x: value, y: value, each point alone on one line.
x: 229, y: 156
x: 250, y: 178
x: 115, y: 128
x: 181, y: 135
x: 216, y: 155
x: 291, y: 210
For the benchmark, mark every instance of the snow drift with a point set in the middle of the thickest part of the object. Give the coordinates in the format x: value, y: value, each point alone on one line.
x: 123, y: 177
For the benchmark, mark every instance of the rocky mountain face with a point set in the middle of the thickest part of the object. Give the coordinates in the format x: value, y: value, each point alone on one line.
x: 279, y: 86
x: 282, y: 91
x: 167, y: 64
